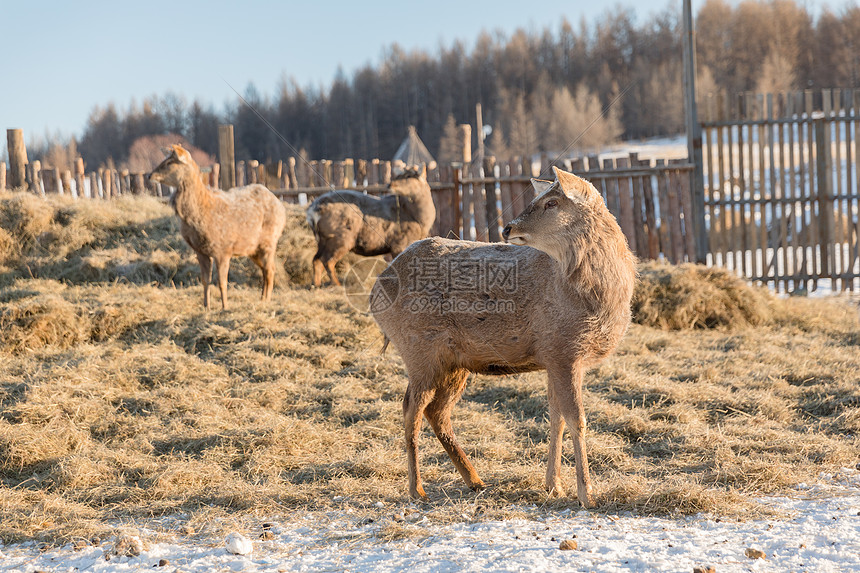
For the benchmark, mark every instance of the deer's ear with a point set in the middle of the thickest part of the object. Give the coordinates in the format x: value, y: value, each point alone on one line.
x: 181, y: 154
x: 575, y: 188
x: 541, y: 186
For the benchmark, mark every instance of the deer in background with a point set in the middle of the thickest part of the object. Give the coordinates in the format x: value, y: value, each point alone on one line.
x: 570, y: 279
x: 245, y: 221
x: 344, y: 221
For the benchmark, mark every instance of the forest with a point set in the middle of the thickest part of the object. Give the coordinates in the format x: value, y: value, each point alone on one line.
x: 576, y: 87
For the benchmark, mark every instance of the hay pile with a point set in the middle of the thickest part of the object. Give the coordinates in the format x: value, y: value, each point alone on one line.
x: 694, y: 296
x: 128, y: 239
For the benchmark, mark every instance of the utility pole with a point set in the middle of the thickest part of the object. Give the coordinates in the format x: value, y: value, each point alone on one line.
x: 480, y: 131
x: 694, y: 136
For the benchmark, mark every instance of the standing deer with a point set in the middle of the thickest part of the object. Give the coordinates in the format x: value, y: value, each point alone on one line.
x: 246, y: 221
x: 344, y: 221
x: 567, y: 280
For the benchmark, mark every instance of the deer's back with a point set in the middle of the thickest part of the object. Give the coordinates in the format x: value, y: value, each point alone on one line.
x: 494, y: 309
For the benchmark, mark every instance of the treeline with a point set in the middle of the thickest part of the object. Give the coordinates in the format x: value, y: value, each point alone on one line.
x: 540, y: 91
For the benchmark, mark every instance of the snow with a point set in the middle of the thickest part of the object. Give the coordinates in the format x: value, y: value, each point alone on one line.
x: 819, y: 530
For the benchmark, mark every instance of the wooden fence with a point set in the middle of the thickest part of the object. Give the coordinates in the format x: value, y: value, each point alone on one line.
x: 782, y: 186
x: 650, y: 198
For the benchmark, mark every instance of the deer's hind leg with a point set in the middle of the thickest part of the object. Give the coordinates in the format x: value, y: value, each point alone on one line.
x: 438, y: 413
x: 418, y: 395
x: 266, y: 261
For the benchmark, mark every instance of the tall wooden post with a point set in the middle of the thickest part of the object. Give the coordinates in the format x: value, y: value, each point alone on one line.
x: 465, y: 137
x: 107, y: 181
x: 694, y: 136
x: 493, y: 222
x: 17, y: 158
x: 480, y: 122
x: 66, y: 180
x: 94, y: 186
x: 226, y: 156
x: 824, y: 181
x: 79, y: 177
x: 36, y: 177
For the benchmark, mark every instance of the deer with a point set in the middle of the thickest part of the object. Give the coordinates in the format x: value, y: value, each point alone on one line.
x: 566, y: 277
x: 217, y: 225
x: 344, y: 221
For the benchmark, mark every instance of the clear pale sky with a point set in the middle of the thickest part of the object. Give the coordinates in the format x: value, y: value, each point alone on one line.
x: 60, y: 58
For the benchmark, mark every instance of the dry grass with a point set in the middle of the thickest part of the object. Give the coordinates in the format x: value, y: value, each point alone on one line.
x: 121, y: 399
x: 694, y: 296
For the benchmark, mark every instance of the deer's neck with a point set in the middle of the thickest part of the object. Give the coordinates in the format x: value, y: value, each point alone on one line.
x: 420, y: 207
x: 193, y: 200
x: 601, y: 271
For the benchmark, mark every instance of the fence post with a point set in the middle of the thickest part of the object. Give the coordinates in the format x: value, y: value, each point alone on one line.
x: 455, y: 202
x: 824, y: 181
x: 226, y: 156
x: 106, y: 183
x: 79, y: 177
x: 2, y: 175
x: 17, y: 158
x: 36, y: 177
x: 490, y: 200
x: 66, y: 180
x: 694, y: 137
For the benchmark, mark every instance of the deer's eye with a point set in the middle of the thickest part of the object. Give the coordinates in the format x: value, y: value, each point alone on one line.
x: 551, y: 204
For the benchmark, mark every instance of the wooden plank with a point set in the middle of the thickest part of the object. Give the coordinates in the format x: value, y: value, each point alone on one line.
x: 663, y: 201
x: 743, y: 188
x: 625, y: 203
x: 653, y: 240
x: 226, y: 156
x: 711, y: 196
x: 838, y: 211
x: 457, y: 203
x: 784, y: 208
x: 856, y: 250
x: 793, y: 192
x: 613, y: 200
x: 438, y: 202
x: 479, y: 212
x: 505, y: 194
x: 529, y: 191
x: 812, y: 229
x: 639, y: 224
x: 770, y: 206
x: 724, y: 217
x: 490, y: 202
x: 732, y: 207
x: 677, y: 237
x: 17, y: 150
x: 824, y: 180
x: 107, y: 184
x: 685, y: 197
x: 761, y: 243
x: 94, y: 185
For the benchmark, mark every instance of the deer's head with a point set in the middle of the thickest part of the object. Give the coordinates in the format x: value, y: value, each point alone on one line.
x: 175, y: 166
x: 557, y: 218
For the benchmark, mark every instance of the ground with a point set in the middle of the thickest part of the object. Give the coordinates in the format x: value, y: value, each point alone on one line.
x: 124, y: 403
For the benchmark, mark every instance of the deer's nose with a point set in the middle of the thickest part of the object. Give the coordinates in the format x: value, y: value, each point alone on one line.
x: 506, y: 231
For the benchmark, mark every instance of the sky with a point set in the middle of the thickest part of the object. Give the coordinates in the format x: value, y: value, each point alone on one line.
x: 73, y: 56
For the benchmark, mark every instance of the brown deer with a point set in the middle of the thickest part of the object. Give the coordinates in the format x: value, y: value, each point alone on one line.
x: 246, y: 221
x: 556, y: 299
x: 344, y: 221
